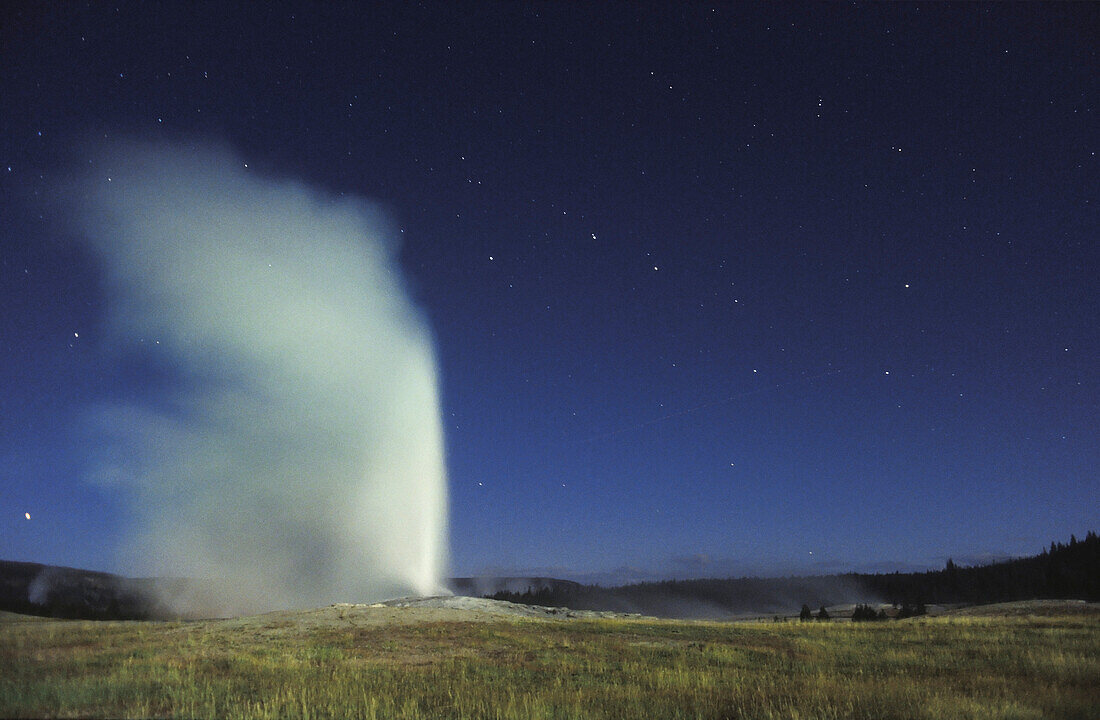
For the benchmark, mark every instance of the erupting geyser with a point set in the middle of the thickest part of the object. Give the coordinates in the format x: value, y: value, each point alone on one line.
x: 286, y: 440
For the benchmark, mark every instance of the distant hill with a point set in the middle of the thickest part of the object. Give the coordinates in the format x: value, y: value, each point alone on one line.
x: 705, y: 598
x: 1070, y: 570
x: 1065, y: 570
x: 62, y: 592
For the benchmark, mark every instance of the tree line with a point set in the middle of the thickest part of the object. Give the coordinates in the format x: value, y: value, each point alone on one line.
x: 1062, y: 571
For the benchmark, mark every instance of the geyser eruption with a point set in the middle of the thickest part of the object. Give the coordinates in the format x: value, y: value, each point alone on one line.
x: 293, y: 449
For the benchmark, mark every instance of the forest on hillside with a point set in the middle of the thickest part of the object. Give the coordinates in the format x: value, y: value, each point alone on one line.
x: 1063, y: 571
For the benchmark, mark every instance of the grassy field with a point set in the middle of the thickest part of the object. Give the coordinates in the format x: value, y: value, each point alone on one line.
x: 344, y: 665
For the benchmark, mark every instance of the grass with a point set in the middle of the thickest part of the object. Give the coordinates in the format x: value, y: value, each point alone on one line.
x: 976, y: 667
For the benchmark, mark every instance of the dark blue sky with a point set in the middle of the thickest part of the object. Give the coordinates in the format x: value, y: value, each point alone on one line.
x: 716, y: 289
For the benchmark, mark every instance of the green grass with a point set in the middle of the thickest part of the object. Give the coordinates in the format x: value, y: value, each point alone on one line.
x: 999, y: 667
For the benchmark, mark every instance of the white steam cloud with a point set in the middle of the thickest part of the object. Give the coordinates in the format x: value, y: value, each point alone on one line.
x: 299, y: 456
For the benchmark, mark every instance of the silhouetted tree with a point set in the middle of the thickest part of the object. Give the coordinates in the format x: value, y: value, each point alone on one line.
x: 806, y: 613
x: 822, y: 614
x: 866, y: 613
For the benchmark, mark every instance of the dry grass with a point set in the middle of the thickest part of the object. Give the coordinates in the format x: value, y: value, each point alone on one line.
x: 318, y: 665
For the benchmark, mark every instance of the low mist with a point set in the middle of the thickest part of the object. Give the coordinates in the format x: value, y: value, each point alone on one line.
x: 292, y: 452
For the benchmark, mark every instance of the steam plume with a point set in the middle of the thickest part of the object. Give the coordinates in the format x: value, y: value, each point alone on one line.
x: 298, y: 455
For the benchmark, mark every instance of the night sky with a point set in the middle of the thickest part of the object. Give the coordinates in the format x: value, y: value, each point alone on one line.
x: 715, y: 290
